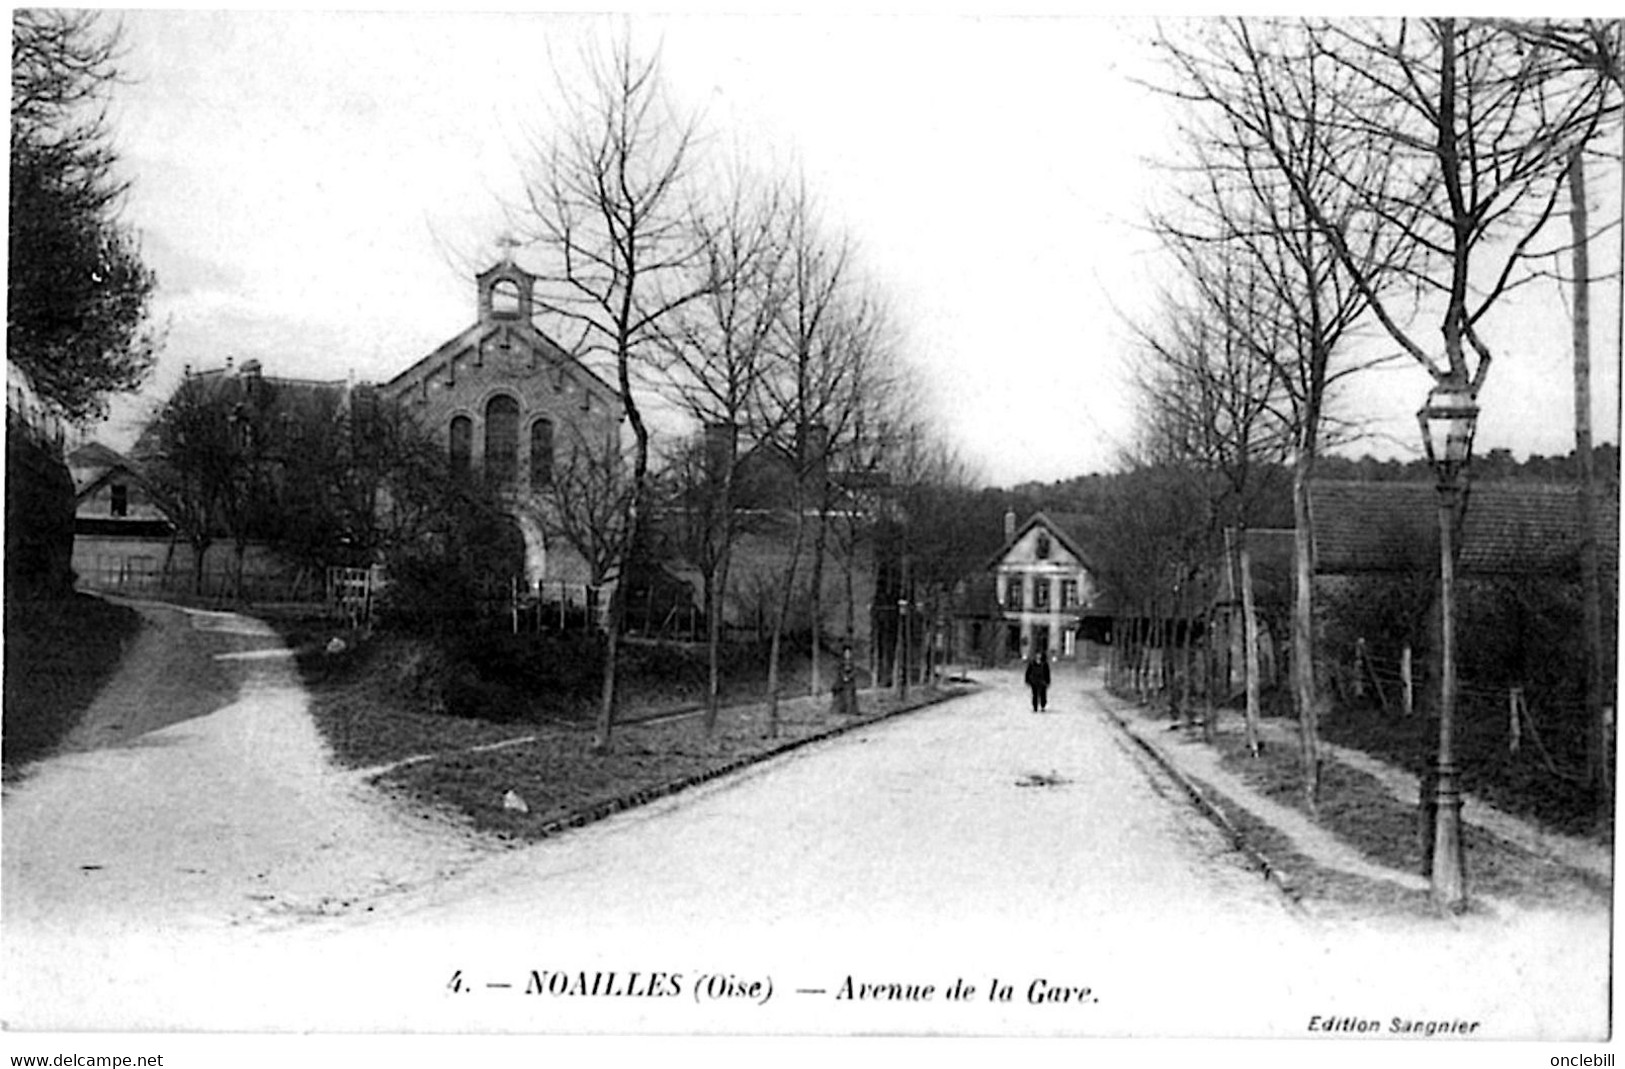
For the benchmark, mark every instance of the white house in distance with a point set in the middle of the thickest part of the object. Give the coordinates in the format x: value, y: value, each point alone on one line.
x: 1044, y: 586
x: 122, y: 540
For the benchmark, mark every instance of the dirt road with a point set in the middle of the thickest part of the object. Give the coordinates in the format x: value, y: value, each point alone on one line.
x: 197, y: 793
x: 825, y: 891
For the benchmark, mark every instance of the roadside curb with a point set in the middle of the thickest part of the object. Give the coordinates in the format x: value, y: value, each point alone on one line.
x: 601, y: 810
x: 1210, y: 809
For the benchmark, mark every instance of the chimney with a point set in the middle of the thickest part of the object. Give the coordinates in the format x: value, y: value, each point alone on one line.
x: 1009, y: 524
x: 721, y: 446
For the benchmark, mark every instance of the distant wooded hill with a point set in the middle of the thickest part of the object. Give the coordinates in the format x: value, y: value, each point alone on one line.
x: 1092, y: 493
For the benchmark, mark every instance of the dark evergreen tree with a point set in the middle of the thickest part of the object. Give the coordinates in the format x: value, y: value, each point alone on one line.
x: 77, y: 290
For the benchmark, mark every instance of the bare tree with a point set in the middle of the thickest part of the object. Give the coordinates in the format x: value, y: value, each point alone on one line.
x: 870, y: 422
x: 941, y: 538
x: 1300, y: 303
x: 1479, y: 129
x: 809, y: 372
x: 1595, y: 46
x: 714, y: 356
x: 1151, y: 543
x: 609, y: 214
x: 1211, y: 398
x: 864, y: 344
x: 588, y: 503
x: 1372, y: 158
x: 186, y: 457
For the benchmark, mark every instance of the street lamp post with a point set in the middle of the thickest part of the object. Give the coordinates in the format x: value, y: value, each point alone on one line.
x: 1448, y: 421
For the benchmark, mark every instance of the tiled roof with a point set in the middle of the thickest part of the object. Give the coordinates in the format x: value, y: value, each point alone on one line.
x: 92, y: 464
x: 288, y: 396
x: 1076, y: 530
x: 1510, y: 528
x: 1080, y: 528
x: 1270, y: 560
x: 95, y: 456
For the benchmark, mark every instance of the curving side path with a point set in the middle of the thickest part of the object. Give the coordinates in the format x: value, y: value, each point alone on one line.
x: 232, y: 817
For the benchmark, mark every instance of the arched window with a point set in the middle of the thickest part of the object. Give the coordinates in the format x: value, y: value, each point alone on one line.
x: 505, y: 298
x: 462, y: 444
x: 502, y: 440
x: 541, y: 454
x: 1043, y: 546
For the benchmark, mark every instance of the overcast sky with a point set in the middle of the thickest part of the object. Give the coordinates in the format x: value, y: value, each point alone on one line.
x: 310, y: 189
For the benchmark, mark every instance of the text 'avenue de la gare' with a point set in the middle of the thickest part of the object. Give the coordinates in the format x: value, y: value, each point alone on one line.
x: 1039, y: 992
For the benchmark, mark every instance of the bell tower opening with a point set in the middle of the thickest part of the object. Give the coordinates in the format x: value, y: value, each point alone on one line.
x: 505, y: 292
x: 505, y: 298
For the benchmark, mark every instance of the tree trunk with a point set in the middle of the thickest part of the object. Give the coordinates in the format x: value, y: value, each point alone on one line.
x: 715, y: 585
x: 1249, y: 617
x: 900, y: 665
x: 928, y: 643
x: 1168, y: 680
x: 1123, y: 649
x: 721, y: 552
x: 776, y: 643
x: 1210, y: 709
x: 849, y: 567
x: 815, y: 599
x: 1114, y: 644
x: 1186, y: 664
x: 1598, y: 772
x: 606, y: 704
x: 617, y: 605
x: 199, y: 549
x: 1303, y: 626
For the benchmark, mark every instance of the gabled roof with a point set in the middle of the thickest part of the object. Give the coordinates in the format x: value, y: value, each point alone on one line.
x: 92, y: 464
x: 95, y: 455
x: 90, y: 486
x: 1510, y: 528
x: 473, y: 335
x: 286, y: 396
x: 1064, y: 527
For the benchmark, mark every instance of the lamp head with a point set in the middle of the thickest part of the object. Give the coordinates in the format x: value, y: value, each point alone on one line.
x: 1448, y: 421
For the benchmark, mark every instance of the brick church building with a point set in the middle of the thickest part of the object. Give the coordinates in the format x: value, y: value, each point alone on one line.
x: 508, y: 402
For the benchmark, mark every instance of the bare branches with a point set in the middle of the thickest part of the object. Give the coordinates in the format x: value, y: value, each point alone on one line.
x: 610, y: 216
x: 714, y: 350
x: 1270, y: 291
x: 589, y: 498
x: 1479, y: 127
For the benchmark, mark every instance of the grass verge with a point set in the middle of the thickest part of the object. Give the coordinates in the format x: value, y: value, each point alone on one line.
x: 58, y: 654
x: 1519, y: 783
x: 1321, y: 887
x: 382, y: 703
x: 1358, y: 810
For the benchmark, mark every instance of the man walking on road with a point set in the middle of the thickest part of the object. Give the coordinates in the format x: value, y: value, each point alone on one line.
x: 1038, y: 680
